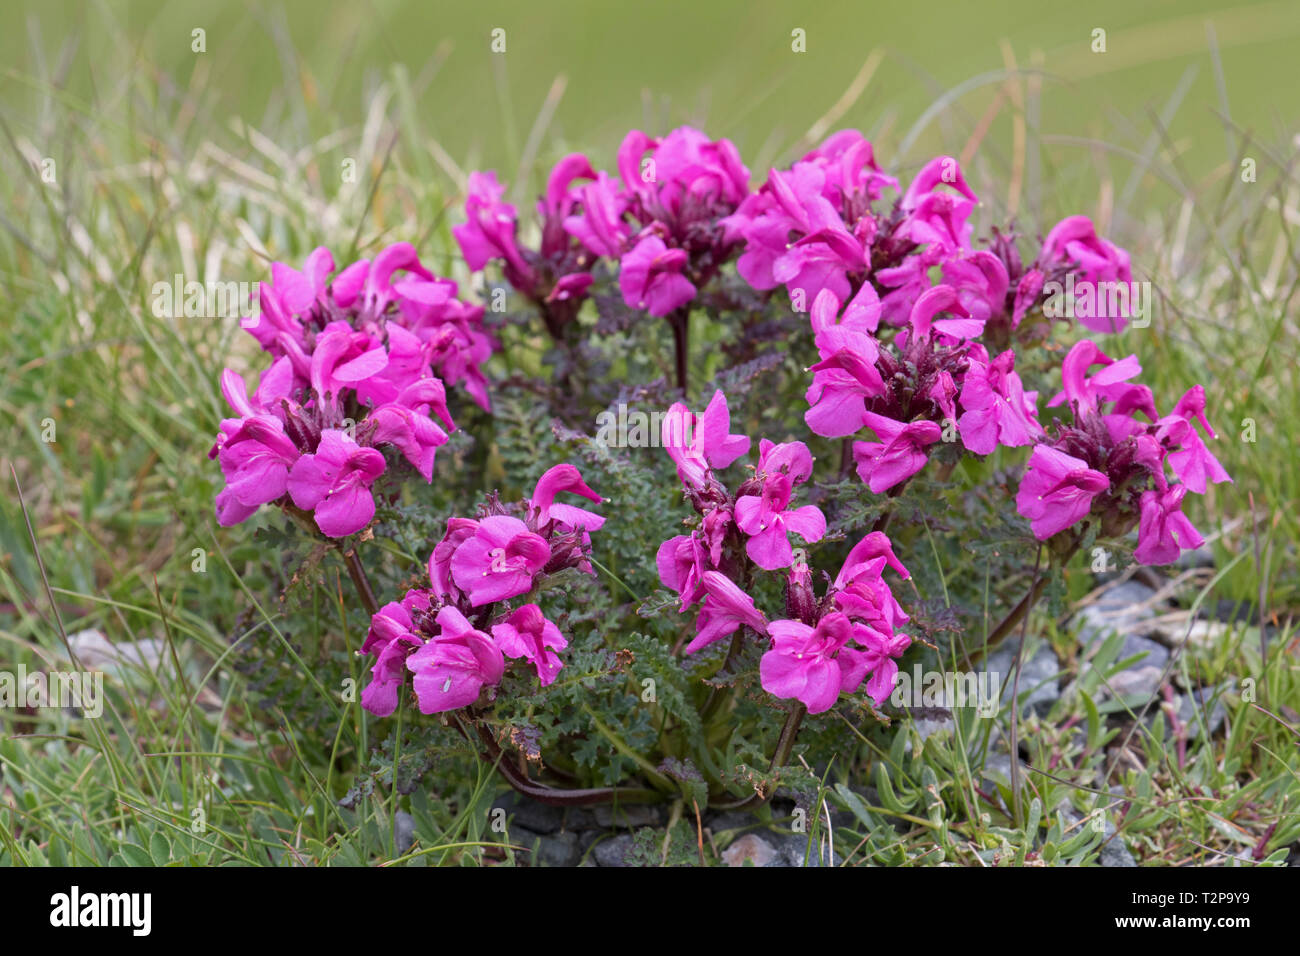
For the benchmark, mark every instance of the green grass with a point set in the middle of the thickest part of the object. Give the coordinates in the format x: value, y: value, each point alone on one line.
x: 169, y: 165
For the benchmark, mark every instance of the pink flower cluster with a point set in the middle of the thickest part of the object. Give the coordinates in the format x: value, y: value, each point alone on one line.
x: 931, y: 375
x: 1112, y: 464
x: 809, y: 657
x: 455, y: 635
x: 813, y: 228
x: 360, y: 359
x: 662, y: 219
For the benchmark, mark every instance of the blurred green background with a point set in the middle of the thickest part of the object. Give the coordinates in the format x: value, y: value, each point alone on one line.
x: 725, y: 65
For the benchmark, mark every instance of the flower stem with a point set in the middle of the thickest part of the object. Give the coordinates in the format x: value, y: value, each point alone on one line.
x: 681, y: 325
x: 784, y: 745
x: 359, y: 580
x: 551, y: 795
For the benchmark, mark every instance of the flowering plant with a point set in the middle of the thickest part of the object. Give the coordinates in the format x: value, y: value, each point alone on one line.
x: 881, y: 369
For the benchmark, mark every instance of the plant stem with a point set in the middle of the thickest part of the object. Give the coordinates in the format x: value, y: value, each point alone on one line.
x: 359, y: 580
x: 550, y: 795
x: 784, y: 745
x: 680, y: 321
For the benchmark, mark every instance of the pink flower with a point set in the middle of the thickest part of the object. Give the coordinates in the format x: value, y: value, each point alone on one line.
x: 601, y: 226
x: 564, y: 478
x: 812, y: 665
x: 1163, y: 529
x: 391, y: 639
x: 682, y: 561
x: 499, y: 560
x: 938, y: 218
x: 1057, y: 490
x: 490, y: 231
x: 1085, y: 393
x: 861, y: 559
x: 768, y: 519
x: 981, y: 282
x: 1193, y: 463
x: 881, y: 659
x: 997, y: 408
x: 256, y: 458
x: 726, y: 608
x: 862, y: 314
x: 452, y: 668
x: 842, y: 381
x: 459, y: 530
x: 787, y: 458
x: 898, y: 455
x: 697, y: 445
x: 650, y: 277
x: 528, y: 634
x: 405, y: 424
x: 335, y: 483
x: 1075, y: 240
x: 691, y: 173
x: 943, y: 298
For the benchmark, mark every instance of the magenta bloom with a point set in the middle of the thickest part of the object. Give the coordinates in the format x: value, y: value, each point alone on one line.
x: 726, y: 608
x: 881, y: 658
x: 650, y: 277
x: 1075, y: 240
x: 698, y: 444
x: 499, y: 560
x: 255, y: 458
x: 601, y: 226
x: 898, y: 455
x: 335, y: 483
x: 406, y: 425
x: 489, y: 232
x: 981, y: 282
x: 1193, y: 463
x: 939, y: 204
x: 842, y: 381
x: 452, y: 668
x: 812, y: 665
x: 997, y: 408
x: 1163, y: 529
x: 943, y: 298
x: 1057, y: 490
x: 564, y: 478
x: 459, y: 530
x: 391, y: 639
x: 528, y: 634
x: 862, y: 559
x: 682, y: 561
x: 1086, y: 393
x: 768, y: 519
x: 788, y: 458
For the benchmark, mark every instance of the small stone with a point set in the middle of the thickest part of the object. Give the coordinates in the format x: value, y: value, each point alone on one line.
x: 538, y: 817
x: 1115, y: 853
x: 731, y: 820
x: 560, y: 849
x: 1122, y: 609
x: 403, y: 831
x: 629, y: 816
x: 613, y: 851
x: 579, y: 818
x: 795, y: 848
x: 1136, y: 685
x: 750, y: 848
x: 1038, y: 676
